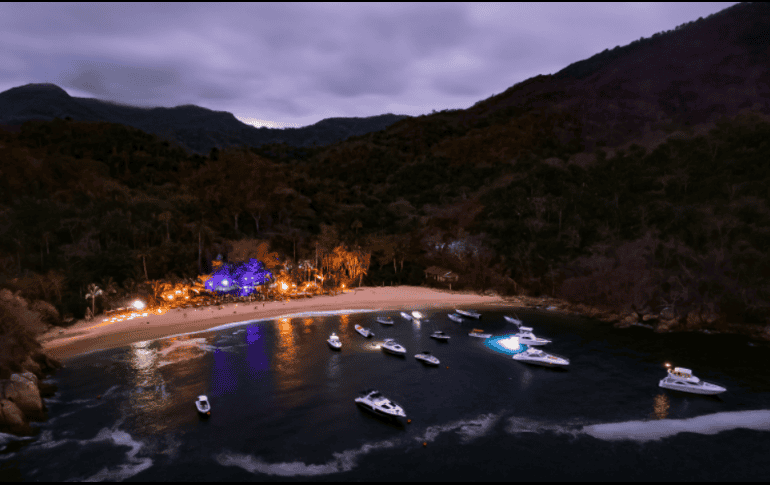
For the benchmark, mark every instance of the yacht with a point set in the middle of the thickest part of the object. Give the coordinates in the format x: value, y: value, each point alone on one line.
x: 681, y: 379
x: 203, y: 406
x: 538, y: 357
x: 477, y: 332
x: 469, y: 313
x: 427, y: 358
x: 526, y: 337
x: 375, y: 402
x: 334, y: 342
x: 457, y: 318
x: 385, y: 320
x: 363, y: 331
x: 439, y: 335
x: 406, y: 315
x: 392, y: 347
x: 513, y: 320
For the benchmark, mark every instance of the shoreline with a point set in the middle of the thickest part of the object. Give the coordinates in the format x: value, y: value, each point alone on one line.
x: 86, y: 337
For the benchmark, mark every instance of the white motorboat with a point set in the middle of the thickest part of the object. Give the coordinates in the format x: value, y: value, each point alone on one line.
x: 681, y: 379
x: 469, y: 313
x: 392, y: 347
x: 203, y: 406
x: 513, y: 320
x: 526, y: 337
x: 375, y: 402
x: 477, y: 332
x: 439, y: 335
x: 363, y: 331
x: 538, y: 357
x: 385, y: 320
x: 334, y: 342
x: 457, y: 318
x: 427, y: 358
x: 417, y: 315
x: 406, y: 315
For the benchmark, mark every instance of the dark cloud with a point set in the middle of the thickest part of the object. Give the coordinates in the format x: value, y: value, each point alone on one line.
x: 297, y: 63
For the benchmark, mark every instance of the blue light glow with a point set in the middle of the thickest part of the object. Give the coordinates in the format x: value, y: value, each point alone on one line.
x: 252, y: 270
x: 505, y: 344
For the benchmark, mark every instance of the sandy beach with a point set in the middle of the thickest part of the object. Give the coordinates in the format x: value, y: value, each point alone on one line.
x: 83, y: 336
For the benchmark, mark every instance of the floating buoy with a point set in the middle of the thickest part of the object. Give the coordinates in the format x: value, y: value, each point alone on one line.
x: 99, y: 396
x: 447, y: 367
x: 424, y: 443
x: 408, y: 420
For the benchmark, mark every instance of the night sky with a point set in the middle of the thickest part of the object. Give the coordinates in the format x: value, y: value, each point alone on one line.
x: 280, y: 65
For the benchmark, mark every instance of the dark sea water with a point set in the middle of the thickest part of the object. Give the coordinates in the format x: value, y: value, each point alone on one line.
x: 283, y: 409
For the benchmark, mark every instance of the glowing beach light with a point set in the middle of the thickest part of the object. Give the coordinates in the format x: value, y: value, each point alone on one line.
x: 284, y: 286
x: 139, y: 304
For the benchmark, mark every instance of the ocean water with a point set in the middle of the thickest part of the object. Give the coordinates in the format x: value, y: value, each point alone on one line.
x: 283, y: 409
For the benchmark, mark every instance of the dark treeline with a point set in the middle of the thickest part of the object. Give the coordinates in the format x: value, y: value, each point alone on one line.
x: 683, y: 227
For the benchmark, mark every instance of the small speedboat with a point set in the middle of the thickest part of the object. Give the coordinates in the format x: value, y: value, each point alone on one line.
x: 363, y: 331
x: 457, y: 318
x: 538, y: 357
x: 375, y: 402
x: 334, y: 342
x: 526, y: 337
x: 681, y: 379
x: 417, y: 315
x: 203, y: 406
x: 406, y: 315
x: 392, y: 347
x: 469, y: 313
x: 385, y: 320
x: 439, y: 335
x: 513, y: 320
x: 477, y: 332
x: 427, y: 358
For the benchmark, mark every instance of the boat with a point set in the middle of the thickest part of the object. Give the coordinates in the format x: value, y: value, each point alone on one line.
x: 392, y: 347
x: 417, y: 315
x: 334, y: 341
x: 526, y: 337
x: 513, y: 320
x: 203, y: 406
x: 477, y: 332
x: 385, y: 320
x: 681, y: 379
x: 375, y: 402
x: 538, y: 357
x: 469, y: 313
x: 439, y: 335
x: 457, y: 318
x: 406, y: 315
x: 427, y: 358
x: 363, y: 331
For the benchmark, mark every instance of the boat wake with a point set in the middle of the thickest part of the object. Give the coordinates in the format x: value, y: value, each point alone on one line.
x: 708, y: 424
x: 342, y: 462
x: 469, y: 429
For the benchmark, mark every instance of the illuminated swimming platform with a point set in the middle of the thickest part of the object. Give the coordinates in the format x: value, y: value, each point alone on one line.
x: 505, y: 344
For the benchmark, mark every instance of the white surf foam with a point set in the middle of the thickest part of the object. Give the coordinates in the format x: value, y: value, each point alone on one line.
x: 709, y: 424
x: 342, y: 462
x: 131, y: 467
x: 469, y: 429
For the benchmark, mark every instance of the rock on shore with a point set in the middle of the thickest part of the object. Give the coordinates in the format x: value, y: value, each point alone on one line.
x: 21, y: 396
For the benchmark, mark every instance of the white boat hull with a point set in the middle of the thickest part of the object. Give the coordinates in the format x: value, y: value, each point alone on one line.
x: 544, y: 363
x: 512, y: 320
x: 385, y: 322
x: 406, y: 315
x: 469, y: 314
x: 335, y: 345
x: 456, y: 318
x: 535, y: 341
x: 424, y: 360
x: 480, y: 335
x: 709, y: 390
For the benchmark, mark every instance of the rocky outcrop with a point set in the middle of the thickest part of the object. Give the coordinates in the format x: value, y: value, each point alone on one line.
x: 21, y: 395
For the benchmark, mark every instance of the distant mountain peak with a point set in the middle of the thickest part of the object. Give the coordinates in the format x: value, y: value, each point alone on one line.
x: 38, y: 88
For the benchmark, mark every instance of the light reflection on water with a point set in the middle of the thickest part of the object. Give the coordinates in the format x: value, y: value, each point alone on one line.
x: 660, y: 406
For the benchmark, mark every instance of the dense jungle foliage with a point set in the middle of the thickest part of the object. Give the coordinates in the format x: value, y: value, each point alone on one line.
x: 684, y: 226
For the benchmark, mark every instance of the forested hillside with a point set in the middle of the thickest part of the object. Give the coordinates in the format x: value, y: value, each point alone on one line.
x: 613, y: 199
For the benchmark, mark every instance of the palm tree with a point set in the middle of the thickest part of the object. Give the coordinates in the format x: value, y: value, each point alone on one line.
x: 93, y: 292
x: 143, y: 254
